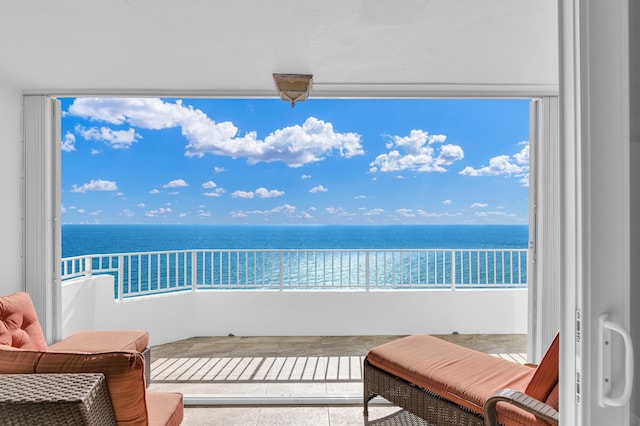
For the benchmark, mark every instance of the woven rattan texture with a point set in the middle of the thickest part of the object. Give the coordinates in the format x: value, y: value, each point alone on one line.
x: 55, y: 399
x: 418, y: 401
x: 399, y: 418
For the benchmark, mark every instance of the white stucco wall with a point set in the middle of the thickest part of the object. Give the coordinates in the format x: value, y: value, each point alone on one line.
x: 88, y: 303
x: 10, y: 188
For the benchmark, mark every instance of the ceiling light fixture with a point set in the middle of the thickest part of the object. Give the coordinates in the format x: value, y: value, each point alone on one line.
x: 293, y: 87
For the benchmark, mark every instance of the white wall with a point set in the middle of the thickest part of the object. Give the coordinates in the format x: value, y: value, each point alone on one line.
x: 88, y: 303
x: 10, y: 188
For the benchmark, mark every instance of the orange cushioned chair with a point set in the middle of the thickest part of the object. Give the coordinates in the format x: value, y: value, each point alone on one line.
x: 447, y: 384
x: 116, y: 354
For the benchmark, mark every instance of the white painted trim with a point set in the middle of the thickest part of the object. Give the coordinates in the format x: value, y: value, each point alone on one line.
x: 571, y: 187
x: 194, y: 399
x: 332, y: 90
x: 41, y: 210
x: 595, y: 131
x: 544, y: 226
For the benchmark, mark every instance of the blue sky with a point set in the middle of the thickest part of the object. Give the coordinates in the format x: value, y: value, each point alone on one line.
x: 326, y: 161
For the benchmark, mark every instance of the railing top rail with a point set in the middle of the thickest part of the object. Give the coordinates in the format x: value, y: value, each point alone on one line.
x: 298, y: 250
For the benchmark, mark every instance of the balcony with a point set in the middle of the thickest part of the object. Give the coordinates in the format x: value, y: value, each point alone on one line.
x: 246, y: 332
x: 182, y: 294
x: 303, y: 380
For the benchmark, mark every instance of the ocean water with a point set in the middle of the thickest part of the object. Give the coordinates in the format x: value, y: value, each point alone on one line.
x: 102, y: 239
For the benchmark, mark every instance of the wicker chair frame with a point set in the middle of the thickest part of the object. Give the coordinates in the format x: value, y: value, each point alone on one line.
x: 421, y: 402
x: 437, y: 410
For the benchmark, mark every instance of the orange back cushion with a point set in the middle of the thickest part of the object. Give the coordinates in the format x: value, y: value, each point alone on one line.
x: 546, y: 377
x: 19, y: 325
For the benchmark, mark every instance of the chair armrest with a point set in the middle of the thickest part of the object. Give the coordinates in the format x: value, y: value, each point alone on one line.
x: 520, y: 400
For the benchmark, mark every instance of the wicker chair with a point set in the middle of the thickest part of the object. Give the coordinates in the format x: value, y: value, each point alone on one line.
x: 118, y: 355
x: 20, y: 328
x: 446, y: 384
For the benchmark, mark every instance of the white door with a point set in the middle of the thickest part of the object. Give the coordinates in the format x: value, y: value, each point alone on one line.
x: 598, y: 213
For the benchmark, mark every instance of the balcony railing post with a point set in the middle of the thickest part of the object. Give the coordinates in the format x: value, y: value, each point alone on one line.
x: 120, y: 277
x: 194, y: 271
x: 366, y: 269
x: 281, y: 271
x: 88, y: 268
x: 453, y: 270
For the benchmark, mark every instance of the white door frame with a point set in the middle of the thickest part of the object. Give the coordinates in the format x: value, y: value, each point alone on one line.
x: 594, y: 95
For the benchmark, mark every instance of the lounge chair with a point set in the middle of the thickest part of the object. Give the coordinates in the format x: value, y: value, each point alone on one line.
x: 118, y: 355
x: 447, y: 384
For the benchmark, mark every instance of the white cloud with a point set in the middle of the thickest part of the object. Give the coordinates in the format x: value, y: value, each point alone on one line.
x: 287, y: 209
x: 478, y: 205
x: 306, y: 215
x: 95, y: 213
x: 218, y: 169
x: 95, y: 185
x: 500, y: 165
x: 447, y: 202
x: 295, y: 145
x: 68, y: 144
x: 360, y: 197
x: 421, y: 152
x: 118, y: 139
x: 410, y: 213
x: 154, y: 191
x: 405, y: 213
x: 260, y: 193
x: 127, y: 213
x: 339, y: 211
x: 494, y: 214
x: 216, y: 193
x: 317, y: 189
x: 516, y: 165
x: 159, y: 212
x: 204, y: 213
x: 522, y: 157
x: 242, y: 194
x: 266, y: 193
x: 177, y: 183
x: 141, y: 205
x: 305, y: 177
x: 95, y: 152
x: 374, y: 212
x: 183, y: 214
x: 81, y: 211
x: 209, y: 184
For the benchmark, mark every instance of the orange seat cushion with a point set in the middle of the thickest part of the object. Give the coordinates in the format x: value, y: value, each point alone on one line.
x: 104, y: 340
x: 165, y: 408
x: 461, y: 375
x: 19, y: 325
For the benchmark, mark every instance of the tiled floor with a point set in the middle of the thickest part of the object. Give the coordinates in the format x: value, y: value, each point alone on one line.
x: 297, y: 369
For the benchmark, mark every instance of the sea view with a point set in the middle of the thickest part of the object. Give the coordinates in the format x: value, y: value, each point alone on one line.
x: 101, y: 239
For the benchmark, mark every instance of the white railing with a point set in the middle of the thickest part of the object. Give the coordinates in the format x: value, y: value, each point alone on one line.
x: 145, y: 273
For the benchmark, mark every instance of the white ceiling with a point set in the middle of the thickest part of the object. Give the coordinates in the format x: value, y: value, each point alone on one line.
x: 232, y: 47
